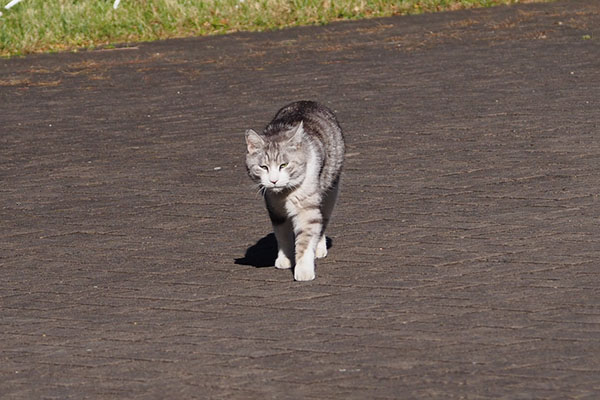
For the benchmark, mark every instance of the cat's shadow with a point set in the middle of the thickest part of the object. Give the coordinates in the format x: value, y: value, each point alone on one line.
x: 264, y: 252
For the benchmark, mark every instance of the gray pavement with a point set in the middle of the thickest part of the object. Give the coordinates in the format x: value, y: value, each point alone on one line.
x: 465, y: 254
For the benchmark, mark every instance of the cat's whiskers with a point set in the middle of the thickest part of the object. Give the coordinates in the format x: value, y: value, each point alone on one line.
x: 260, y: 189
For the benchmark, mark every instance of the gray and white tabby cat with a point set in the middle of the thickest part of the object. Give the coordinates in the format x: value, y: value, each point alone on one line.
x: 297, y: 162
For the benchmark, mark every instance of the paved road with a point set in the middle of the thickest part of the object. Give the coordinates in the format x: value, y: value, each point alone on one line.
x: 465, y: 249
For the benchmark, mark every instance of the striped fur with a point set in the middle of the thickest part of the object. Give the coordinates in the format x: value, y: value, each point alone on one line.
x: 297, y: 162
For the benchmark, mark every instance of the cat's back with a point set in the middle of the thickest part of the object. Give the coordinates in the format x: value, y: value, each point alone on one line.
x: 300, y: 110
x: 317, y: 119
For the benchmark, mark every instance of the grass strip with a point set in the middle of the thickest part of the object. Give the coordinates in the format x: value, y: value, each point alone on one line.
x: 57, y: 25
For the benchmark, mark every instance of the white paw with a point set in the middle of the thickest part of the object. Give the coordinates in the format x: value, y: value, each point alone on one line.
x: 283, y: 262
x: 304, y: 272
x: 321, y: 248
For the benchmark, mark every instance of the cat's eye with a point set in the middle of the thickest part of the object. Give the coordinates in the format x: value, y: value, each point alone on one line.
x: 282, y: 166
x: 264, y: 167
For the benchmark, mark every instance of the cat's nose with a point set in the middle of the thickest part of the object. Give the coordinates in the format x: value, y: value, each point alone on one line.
x: 273, y: 180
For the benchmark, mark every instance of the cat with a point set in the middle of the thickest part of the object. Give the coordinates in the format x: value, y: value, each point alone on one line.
x: 297, y: 163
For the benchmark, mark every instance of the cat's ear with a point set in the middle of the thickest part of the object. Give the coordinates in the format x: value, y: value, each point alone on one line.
x: 253, y: 141
x: 296, y: 135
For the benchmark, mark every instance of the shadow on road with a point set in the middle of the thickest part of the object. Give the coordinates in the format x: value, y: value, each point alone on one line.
x: 264, y: 252
x: 261, y: 254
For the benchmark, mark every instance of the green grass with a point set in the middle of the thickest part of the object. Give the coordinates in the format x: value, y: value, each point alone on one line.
x: 58, y: 25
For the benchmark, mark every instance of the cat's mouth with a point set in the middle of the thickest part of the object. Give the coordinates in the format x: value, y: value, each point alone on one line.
x: 276, y: 188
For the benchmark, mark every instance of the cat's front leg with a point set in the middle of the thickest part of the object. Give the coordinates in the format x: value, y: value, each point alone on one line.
x: 282, y: 227
x: 327, y: 205
x: 307, y: 227
x: 285, y: 244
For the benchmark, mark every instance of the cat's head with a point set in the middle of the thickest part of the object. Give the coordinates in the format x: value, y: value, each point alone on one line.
x: 277, y: 162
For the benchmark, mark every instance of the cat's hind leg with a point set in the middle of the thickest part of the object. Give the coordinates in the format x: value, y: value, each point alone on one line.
x: 321, y: 247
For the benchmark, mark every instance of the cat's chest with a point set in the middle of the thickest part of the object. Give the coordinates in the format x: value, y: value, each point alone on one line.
x: 292, y: 203
x: 284, y: 205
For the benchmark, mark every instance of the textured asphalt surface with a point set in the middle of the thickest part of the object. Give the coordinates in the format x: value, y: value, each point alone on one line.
x: 465, y: 250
